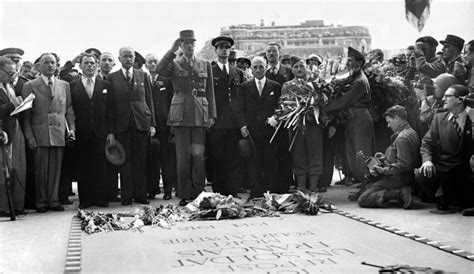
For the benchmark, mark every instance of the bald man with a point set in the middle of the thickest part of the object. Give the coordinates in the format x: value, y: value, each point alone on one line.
x: 257, y: 100
x: 131, y: 122
x: 45, y: 130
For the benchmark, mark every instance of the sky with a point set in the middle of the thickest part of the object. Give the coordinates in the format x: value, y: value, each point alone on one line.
x: 70, y: 27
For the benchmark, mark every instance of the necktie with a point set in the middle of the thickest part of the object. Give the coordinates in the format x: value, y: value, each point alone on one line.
x: 89, y: 87
x: 260, y: 87
x: 50, y: 87
x: 104, y: 78
x: 456, y: 125
x: 225, y: 71
x: 127, y: 76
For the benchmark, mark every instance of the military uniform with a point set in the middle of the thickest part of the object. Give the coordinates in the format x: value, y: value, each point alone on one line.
x: 307, y: 150
x: 225, y: 134
x: 192, y: 106
x: 359, y: 129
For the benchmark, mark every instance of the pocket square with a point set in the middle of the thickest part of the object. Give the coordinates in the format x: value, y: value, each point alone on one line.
x: 104, y: 90
x: 271, y: 93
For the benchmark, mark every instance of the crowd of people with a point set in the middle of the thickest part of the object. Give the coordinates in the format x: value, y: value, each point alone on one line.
x: 192, y: 122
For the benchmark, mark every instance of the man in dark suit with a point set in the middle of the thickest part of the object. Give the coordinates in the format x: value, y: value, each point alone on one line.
x: 446, y: 150
x: 45, y: 130
x: 192, y: 111
x: 132, y: 122
x: 281, y: 74
x: 106, y: 64
x: 164, y: 157
x: 225, y: 134
x: 89, y: 96
x: 256, y: 101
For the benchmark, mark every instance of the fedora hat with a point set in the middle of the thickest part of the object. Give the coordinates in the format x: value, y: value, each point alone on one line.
x: 154, y: 144
x: 115, y: 154
x: 245, y: 149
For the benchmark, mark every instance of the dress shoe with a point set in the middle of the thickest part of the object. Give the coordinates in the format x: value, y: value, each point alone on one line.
x: 167, y: 197
x: 340, y: 182
x: 20, y: 212
x: 126, y: 202
x: 41, y: 209
x: 84, y: 205
x: 66, y: 202
x: 115, y: 200
x: 102, y: 204
x: 143, y: 201
x: 57, y: 208
x: 72, y: 193
x: 322, y: 189
x: 468, y: 212
x: 183, y: 202
x: 151, y: 196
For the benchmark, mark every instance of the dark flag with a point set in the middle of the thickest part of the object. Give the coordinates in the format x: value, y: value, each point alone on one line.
x: 417, y: 12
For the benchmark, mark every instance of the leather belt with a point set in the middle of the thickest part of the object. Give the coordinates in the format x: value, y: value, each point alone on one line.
x: 198, y: 93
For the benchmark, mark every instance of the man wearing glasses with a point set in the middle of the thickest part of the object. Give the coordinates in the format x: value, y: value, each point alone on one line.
x: 446, y: 150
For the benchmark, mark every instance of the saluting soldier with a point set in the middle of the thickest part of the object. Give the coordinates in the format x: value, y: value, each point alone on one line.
x: 192, y: 111
x: 225, y: 134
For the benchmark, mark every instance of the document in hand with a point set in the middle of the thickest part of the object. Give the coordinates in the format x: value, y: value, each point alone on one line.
x: 27, y: 104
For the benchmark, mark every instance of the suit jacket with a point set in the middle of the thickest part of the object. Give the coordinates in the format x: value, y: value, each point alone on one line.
x: 283, y: 75
x: 193, y: 101
x: 19, y: 85
x: 443, y: 146
x: 252, y: 109
x: 6, y: 107
x: 45, y: 122
x: 162, y: 91
x: 91, y: 113
x: 225, y: 90
x: 127, y: 99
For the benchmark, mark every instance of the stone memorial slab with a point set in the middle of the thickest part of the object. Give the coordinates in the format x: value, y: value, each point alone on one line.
x: 327, y: 243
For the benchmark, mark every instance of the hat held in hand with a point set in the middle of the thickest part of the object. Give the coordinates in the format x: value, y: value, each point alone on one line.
x: 115, y: 154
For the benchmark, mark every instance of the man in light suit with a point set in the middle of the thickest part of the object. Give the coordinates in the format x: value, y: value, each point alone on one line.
x: 192, y: 110
x: 89, y: 97
x: 446, y: 150
x: 132, y: 122
x: 45, y: 130
x: 257, y: 100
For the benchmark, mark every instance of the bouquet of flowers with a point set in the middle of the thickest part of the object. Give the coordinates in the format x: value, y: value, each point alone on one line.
x: 213, y: 206
x: 299, y: 202
x: 301, y: 104
x: 162, y: 216
x: 387, y: 88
